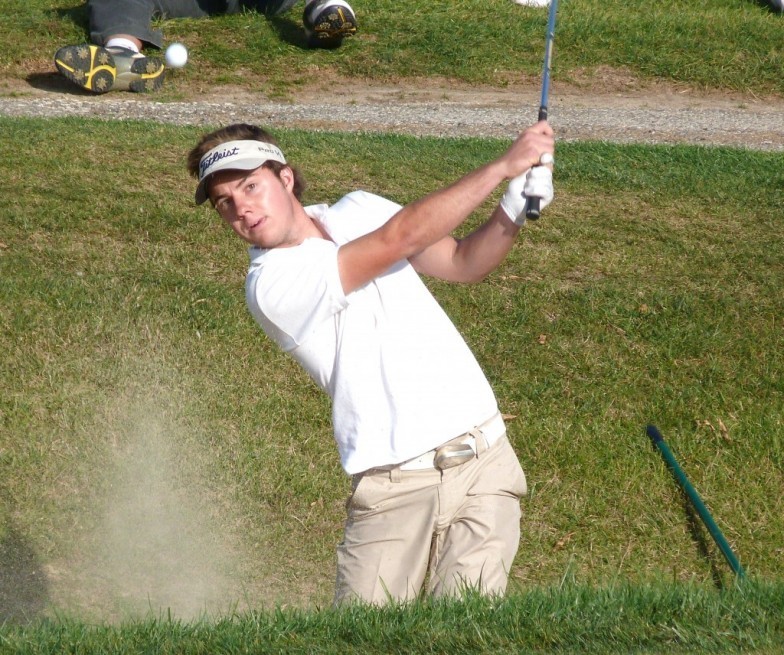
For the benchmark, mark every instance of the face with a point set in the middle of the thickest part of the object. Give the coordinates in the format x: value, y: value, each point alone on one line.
x: 258, y: 205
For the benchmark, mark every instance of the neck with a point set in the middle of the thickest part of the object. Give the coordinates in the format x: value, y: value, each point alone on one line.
x: 315, y: 229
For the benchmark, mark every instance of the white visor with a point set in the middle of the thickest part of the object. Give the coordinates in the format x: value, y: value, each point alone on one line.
x: 234, y: 155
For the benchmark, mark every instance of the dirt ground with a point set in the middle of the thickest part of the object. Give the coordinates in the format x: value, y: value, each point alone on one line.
x: 607, y: 105
x: 607, y: 87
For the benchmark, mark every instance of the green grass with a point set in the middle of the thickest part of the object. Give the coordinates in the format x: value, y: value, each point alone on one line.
x: 571, y: 618
x: 156, y: 450
x: 723, y: 44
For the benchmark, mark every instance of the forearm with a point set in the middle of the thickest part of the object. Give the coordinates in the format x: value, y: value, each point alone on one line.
x: 429, y: 219
x: 471, y: 258
x: 481, y: 252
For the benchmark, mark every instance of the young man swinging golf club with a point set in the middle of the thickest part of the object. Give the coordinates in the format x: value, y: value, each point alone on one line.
x: 436, y: 484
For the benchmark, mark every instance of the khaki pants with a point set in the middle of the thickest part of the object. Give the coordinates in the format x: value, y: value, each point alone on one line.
x: 455, y: 528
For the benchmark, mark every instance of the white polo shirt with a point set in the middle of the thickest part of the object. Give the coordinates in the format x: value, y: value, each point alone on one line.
x: 401, y: 378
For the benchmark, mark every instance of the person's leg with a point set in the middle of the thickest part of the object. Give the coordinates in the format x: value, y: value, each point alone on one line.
x: 386, y: 544
x: 191, y: 8
x: 480, y: 534
x: 110, y: 18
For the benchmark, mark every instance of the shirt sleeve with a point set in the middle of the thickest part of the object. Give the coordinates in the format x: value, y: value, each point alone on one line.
x: 294, y: 290
x: 359, y: 213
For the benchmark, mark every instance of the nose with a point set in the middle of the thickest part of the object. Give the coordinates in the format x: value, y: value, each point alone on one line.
x: 241, y: 207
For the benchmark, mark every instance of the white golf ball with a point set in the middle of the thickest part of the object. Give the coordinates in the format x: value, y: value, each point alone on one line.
x: 176, y: 55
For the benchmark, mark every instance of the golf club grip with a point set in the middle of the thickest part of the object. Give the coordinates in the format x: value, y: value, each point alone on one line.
x: 533, y: 208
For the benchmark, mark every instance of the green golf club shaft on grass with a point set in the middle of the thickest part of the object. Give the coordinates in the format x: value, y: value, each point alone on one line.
x: 694, y: 497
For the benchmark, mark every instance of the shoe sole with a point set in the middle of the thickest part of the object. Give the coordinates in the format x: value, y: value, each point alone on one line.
x: 333, y: 28
x: 93, y: 68
x: 88, y: 66
x: 145, y: 75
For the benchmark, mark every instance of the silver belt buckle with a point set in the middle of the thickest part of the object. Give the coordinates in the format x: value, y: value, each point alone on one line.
x: 453, y: 455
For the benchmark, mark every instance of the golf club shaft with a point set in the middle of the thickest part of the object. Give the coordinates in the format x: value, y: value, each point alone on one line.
x: 694, y: 497
x: 533, y: 210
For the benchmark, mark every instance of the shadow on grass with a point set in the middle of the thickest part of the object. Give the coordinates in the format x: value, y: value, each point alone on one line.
x: 77, y: 15
x: 289, y: 31
x: 24, y: 587
x: 56, y: 83
x: 700, y: 535
x: 293, y: 33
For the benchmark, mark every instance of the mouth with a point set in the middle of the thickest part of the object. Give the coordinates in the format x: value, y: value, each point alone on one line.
x: 256, y: 224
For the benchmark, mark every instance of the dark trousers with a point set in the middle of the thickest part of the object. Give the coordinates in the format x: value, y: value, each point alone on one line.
x: 134, y: 17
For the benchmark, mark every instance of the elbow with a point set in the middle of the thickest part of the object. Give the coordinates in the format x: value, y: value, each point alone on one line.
x: 476, y: 277
x: 404, y: 239
x: 467, y: 267
x: 464, y: 275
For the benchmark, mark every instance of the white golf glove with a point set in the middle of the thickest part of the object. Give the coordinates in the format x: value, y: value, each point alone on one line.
x: 536, y: 182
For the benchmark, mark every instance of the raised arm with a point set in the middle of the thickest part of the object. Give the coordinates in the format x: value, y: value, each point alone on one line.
x: 429, y: 220
x: 473, y: 257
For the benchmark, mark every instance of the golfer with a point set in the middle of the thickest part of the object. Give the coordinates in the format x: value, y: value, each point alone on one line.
x: 435, y: 501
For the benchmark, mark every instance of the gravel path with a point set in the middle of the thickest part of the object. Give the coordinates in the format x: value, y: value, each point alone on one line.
x: 623, y: 118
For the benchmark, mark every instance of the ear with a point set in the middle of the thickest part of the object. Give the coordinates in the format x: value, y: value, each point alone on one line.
x: 287, y: 177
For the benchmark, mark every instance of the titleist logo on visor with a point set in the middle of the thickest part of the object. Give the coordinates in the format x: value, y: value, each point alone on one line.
x: 214, y: 157
x: 254, y: 150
